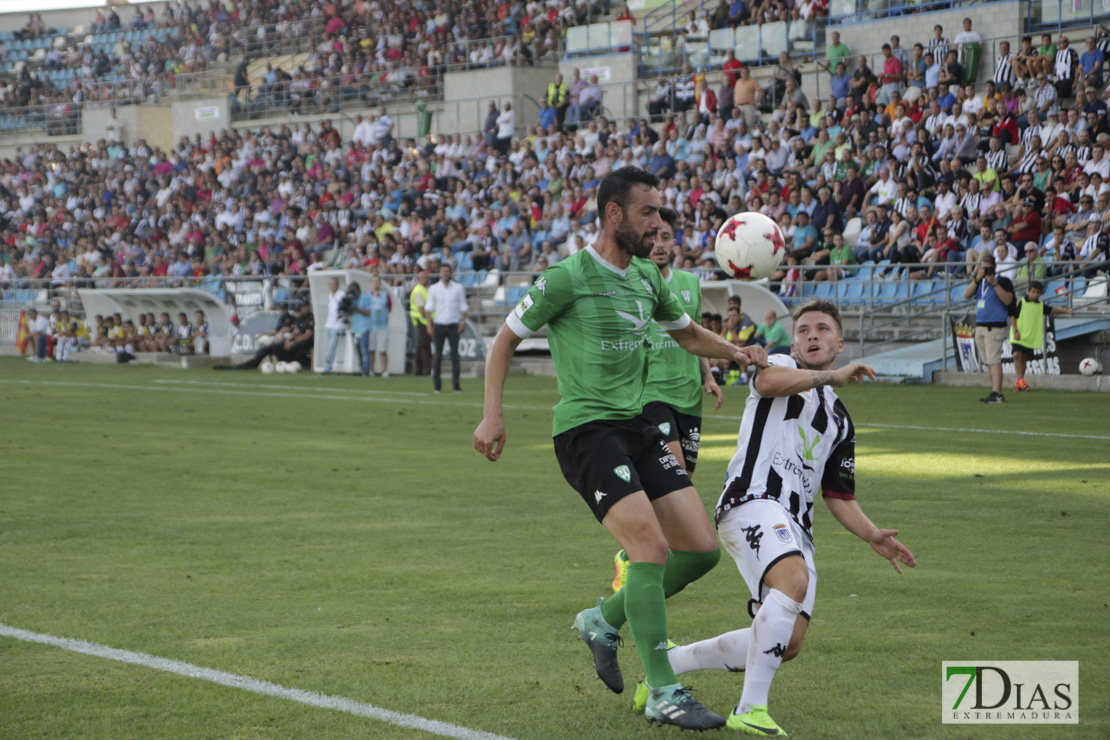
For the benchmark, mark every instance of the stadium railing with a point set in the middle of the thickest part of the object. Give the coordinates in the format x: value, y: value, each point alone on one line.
x: 1047, y: 15
x: 861, y: 11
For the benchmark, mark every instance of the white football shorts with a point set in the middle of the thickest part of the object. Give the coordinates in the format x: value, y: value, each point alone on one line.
x: 759, y: 533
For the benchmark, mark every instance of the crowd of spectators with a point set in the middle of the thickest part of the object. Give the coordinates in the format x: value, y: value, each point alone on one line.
x: 923, y: 163
x: 355, y: 50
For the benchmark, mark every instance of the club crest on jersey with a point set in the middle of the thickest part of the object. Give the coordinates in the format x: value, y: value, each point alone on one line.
x: 623, y: 473
x: 665, y: 427
x: 782, y: 533
x: 646, y: 283
x: 686, y: 296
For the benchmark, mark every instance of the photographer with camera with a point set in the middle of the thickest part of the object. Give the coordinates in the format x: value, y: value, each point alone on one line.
x: 993, y: 296
x: 339, y: 305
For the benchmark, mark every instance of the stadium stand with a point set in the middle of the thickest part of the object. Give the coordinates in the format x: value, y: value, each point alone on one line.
x: 919, y: 158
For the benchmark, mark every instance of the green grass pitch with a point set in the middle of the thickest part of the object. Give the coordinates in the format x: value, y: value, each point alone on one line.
x: 340, y: 535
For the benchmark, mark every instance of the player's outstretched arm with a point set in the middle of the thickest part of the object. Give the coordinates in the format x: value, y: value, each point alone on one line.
x: 700, y: 341
x: 489, y: 437
x: 849, y: 514
x: 778, y: 381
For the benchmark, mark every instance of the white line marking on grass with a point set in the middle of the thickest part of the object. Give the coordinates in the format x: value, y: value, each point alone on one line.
x: 290, y: 387
x: 986, y: 431
x: 208, y: 390
x: 311, y: 698
x: 958, y: 429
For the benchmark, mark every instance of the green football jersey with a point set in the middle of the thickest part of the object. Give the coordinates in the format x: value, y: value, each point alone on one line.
x: 674, y: 375
x: 598, y: 319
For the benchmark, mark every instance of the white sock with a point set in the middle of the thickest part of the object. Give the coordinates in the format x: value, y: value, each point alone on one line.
x: 771, y: 631
x: 727, y: 652
x: 130, y: 349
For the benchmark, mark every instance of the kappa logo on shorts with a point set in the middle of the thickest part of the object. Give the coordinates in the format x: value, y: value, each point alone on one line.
x: 752, y: 536
x: 665, y: 427
x: 598, y: 495
x: 687, y: 296
x: 623, y: 473
x: 783, y: 533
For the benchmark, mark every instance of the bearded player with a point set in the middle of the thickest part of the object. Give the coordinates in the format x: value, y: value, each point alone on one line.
x: 796, y: 438
x: 675, y: 378
x: 597, y: 306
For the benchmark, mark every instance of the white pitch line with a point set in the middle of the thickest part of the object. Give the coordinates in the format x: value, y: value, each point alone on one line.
x: 311, y: 698
x: 209, y: 388
x: 288, y: 387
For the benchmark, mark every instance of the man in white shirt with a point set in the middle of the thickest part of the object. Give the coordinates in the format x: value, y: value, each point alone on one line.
x: 334, y: 325
x: 38, y: 328
x: 1097, y: 163
x: 364, y: 132
x: 447, y: 306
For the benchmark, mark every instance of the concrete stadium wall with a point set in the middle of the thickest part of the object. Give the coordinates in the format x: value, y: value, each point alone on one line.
x: 199, y: 116
x: 466, y: 95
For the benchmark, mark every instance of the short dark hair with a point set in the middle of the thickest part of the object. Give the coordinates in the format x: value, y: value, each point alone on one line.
x: 616, y: 186
x: 1036, y: 285
x: 825, y: 307
x: 670, y: 217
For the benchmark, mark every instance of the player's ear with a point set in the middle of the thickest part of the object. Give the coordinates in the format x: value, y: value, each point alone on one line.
x: 614, y: 214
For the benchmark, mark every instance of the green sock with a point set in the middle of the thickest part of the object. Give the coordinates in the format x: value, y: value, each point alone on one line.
x: 647, y: 620
x: 683, y: 568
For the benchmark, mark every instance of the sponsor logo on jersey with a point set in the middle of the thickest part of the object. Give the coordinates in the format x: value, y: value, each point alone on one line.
x: 623, y: 473
x: 598, y: 495
x: 605, y: 294
x: 665, y: 427
x: 782, y: 533
x: 687, y: 296
x: 621, y: 345
x: 807, y: 448
x: 638, y: 324
x: 541, y: 285
x: 848, y: 467
x: 525, y: 303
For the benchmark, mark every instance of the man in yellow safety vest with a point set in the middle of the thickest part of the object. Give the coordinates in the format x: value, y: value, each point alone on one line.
x: 418, y: 298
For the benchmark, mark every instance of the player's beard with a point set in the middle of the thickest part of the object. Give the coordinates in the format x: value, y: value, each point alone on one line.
x: 635, y: 243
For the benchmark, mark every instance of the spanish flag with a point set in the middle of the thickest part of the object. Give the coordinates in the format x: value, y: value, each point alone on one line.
x: 21, y: 337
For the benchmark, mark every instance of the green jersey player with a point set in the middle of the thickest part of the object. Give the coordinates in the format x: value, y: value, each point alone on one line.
x: 597, y: 306
x: 675, y: 378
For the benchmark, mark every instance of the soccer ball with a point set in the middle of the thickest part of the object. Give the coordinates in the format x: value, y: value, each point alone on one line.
x: 749, y: 246
x: 293, y: 367
x: 1089, y: 366
x: 282, y: 366
x: 267, y: 368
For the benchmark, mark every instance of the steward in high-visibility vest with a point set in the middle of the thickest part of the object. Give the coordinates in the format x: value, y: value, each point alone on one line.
x: 417, y: 300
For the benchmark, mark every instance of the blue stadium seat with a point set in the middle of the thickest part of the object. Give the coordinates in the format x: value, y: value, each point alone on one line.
x: 515, y: 293
x: 824, y: 290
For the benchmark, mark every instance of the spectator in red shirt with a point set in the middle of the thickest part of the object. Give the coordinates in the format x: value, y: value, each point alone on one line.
x: 1026, y: 226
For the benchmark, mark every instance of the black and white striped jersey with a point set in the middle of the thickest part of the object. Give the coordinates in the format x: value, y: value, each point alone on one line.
x: 790, y: 449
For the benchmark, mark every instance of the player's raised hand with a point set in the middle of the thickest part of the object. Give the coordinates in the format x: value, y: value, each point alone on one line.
x: 856, y: 371
x: 710, y: 386
x: 489, y: 438
x: 754, y: 355
x: 883, y: 542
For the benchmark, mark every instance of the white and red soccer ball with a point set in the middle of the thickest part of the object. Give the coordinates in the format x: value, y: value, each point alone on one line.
x: 1090, y: 366
x: 749, y: 246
